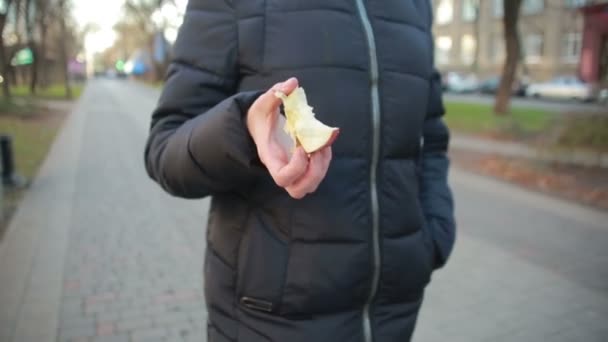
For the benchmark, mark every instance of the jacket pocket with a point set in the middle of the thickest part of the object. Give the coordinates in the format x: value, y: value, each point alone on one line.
x: 324, y: 278
x: 262, y: 266
x: 406, y: 267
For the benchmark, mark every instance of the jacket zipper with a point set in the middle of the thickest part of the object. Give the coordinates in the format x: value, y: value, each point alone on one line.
x: 375, y: 97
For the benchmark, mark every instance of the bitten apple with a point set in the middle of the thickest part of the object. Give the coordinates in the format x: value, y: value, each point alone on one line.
x: 302, y: 126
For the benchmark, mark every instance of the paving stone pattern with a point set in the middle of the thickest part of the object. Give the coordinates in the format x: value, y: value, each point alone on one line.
x: 109, y: 257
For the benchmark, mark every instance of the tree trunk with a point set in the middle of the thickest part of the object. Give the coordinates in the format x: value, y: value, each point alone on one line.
x: 6, y: 89
x: 511, y: 16
x: 40, y: 71
x: 4, y: 64
x: 30, y: 23
x: 64, y: 52
x: 34, y: 75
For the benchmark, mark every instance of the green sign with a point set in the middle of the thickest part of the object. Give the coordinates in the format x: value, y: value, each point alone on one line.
x: 23, y: 57
x: 120, y: 65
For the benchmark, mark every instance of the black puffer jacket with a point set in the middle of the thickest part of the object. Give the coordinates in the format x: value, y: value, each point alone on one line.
x: 349, y: 262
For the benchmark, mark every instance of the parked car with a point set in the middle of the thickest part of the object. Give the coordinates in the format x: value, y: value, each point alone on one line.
x: 459, y: 83
x: 490, y: 86
x: 602, y: 97
x: 564, y: 87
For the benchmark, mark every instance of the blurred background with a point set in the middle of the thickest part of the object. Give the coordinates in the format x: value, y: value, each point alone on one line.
x: 91, y: 250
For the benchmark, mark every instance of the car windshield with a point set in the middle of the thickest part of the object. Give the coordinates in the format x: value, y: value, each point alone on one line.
x: 567, y: 80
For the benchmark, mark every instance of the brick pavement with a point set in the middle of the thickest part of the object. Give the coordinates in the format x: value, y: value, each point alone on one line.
x: 109, y: 257
x: 133, y: 266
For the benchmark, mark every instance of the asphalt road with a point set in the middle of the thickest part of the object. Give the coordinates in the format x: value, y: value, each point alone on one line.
x: 97, y: 252
x: 552, y: 105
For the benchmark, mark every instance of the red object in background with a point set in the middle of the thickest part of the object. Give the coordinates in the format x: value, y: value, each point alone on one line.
x: 76, y: 67
x: 593, y: 67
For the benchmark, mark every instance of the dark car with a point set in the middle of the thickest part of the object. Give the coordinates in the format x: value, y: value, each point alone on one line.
x: 490, y: 86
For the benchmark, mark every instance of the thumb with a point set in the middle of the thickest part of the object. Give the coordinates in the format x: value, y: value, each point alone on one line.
x: 268, y: 102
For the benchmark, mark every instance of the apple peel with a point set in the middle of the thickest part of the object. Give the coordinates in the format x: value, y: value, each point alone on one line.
x: 302, y: 126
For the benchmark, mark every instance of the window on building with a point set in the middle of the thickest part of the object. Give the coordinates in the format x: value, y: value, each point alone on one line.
x: 469, y: 10
x: 496, y: 52
x: 533, y: 48
x: 532, y: 6
x: 571, y: 47
x: 497, y: 8
x: 445, y: 12
x: 467, y: 49
x: 575, y: 3
x: 443, y: 46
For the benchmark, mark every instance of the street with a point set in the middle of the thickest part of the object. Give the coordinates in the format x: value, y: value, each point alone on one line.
x: 551, y: 105
x: 97, y: 252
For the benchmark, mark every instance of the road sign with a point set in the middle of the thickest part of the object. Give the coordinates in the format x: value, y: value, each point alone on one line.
x: 23, y: 57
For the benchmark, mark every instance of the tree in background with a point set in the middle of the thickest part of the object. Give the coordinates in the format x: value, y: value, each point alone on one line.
x: 5, y: 6
x: 129, y: 38
x: 139, y: 28
x: 17, y: 24
x: 64, y: 11
x: 37, y: 19
x: 38, y: 39
x: 513, y: 47
x: 138, y: 18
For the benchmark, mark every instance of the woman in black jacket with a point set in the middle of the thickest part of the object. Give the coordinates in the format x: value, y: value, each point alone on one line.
x: 335, y: 246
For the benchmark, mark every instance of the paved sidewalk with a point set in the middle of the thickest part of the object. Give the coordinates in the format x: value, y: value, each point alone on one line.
x: 97, y: 252
x: 526, y: 268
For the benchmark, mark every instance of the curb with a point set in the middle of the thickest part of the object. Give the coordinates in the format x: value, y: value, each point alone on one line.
x: 578, y: 157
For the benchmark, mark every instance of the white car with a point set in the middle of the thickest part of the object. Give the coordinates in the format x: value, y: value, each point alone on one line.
x: 565, y: 87
x: 458, y: 83
x: 602, y: 97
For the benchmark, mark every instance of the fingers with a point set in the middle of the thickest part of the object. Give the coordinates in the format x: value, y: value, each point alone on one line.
x: 268, y: 102
x: 299, y: 175
x: 284, y: 173
x: 286, y: 87
x: 314, y: 175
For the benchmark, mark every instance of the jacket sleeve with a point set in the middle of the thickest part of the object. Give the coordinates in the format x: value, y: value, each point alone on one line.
x: 435, y: 194
x: 198, y: 143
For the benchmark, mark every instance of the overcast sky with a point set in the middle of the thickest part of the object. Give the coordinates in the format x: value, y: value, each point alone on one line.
x: 104, y: 14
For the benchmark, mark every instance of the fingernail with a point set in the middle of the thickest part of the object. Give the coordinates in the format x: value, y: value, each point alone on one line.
x: 284, y: 86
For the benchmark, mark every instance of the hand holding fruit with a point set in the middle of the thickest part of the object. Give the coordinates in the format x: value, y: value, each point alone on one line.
x: 302, y: 172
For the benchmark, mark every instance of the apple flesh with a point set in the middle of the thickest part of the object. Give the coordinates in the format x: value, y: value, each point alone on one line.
x: 302, y: 126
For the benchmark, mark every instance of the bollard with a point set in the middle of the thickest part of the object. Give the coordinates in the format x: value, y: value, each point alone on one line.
x: 2, y: 186
x: 8, y: 160
x: 1, y: 203
x: 9, y: 177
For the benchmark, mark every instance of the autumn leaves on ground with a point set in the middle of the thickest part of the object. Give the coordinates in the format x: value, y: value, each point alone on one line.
x: 537, y: 128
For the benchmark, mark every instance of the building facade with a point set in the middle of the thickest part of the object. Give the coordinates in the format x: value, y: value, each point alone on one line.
x: 593, y: 65
x: 469, y: 37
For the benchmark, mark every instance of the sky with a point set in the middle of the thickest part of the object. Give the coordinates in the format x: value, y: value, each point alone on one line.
x: 104, y: 15
x: 101, y: 13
